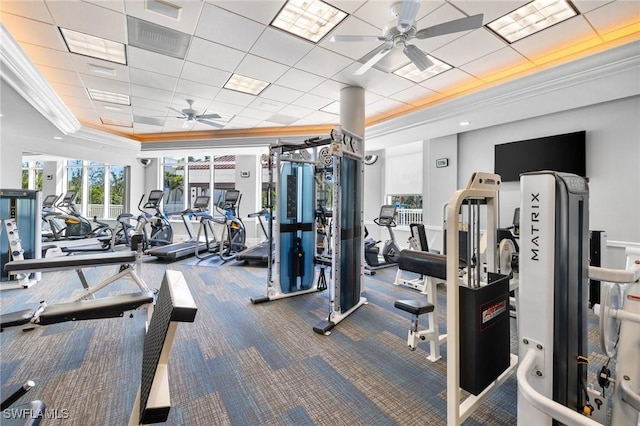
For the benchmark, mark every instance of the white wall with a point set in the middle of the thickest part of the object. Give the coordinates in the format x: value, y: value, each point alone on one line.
x: 403, y: 169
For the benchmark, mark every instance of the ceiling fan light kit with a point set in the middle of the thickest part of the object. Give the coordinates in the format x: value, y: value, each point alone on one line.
x: 191, y: 116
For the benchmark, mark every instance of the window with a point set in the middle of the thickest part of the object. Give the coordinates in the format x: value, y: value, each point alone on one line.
x: 32, y: 175
x: 408, y: 208
x: 173, y: 185
x: 100, y: 187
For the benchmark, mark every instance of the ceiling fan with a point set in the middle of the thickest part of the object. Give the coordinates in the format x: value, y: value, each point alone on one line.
x: 399, y: 31
x: 192, y: 116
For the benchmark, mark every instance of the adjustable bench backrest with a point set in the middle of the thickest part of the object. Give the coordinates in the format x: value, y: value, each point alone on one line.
x: 174, y: 304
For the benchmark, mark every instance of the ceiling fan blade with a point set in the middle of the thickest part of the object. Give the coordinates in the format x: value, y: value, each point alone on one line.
x: 418, y: 57
x: 212, y: 123
x: 463, y: 24
x: 371, y: 62
x: 178, y: 111
x: 349, y: 38
x: 205, y: 116
x: 407, y: 15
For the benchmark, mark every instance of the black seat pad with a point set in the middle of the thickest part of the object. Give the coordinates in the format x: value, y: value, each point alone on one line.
x: 415, y: 307
x: 13, y: 319
x: 70, y: 262
x: 423, y: 263
x: 106, y: 307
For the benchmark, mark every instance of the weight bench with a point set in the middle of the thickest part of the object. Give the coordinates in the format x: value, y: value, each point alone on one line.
x: 106, y: 307
x: 124, y: 259
x: 175, y: 304
x: 430, y: 266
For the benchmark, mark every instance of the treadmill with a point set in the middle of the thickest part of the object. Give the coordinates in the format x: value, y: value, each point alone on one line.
x: 175, y: 251
x: 259, y: 252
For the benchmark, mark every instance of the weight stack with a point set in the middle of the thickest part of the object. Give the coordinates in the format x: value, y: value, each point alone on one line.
x: 484, y: 333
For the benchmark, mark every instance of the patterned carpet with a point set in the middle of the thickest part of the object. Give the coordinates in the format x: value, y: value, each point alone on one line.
x: 238, y: 364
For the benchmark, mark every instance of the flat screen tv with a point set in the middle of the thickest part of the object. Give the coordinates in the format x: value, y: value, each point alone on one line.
x: 559, y: 153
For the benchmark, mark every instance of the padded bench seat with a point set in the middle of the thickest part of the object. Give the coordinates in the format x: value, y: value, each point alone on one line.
x: 423, y: 263
x: 14, y: 319
x: 415, y: 307
x: 70, y: 262
x: 106, y: 307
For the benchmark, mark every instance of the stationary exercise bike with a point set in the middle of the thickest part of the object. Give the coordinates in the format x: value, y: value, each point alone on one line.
x: 390, y: 250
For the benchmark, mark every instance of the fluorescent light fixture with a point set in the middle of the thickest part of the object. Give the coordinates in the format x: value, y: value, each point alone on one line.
x: 411, y: 72
x: 332, y: 108
x: 119, y: 123
x: 58, y: 138
x: 95, y: 47
x: 244, y: 84
x: 309, y: 19
x: 465, y: 123
x: 164, y: 8
x: 531, y: 18
x: 114, y: 98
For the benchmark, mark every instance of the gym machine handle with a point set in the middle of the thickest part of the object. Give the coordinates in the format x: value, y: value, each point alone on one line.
x: 16, y: 395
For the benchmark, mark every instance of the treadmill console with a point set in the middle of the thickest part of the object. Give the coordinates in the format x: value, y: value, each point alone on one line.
x: 201, y: 202
x: 49, y: 201
x: 68, y: 198
x: 154, y: 197
x: 231, y: 197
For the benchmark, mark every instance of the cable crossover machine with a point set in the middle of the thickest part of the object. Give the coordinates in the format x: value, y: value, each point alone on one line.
x: 292, y: 223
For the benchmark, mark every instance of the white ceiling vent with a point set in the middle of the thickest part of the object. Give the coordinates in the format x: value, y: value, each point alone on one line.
x: 157, y: 38
x: 164, y: 8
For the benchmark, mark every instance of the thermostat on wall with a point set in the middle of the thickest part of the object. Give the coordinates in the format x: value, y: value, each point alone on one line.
x: 244, y: 174
x: 442, y: 162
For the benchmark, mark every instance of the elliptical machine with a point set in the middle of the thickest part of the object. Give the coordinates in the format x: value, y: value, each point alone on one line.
x: 390, y: 250
x: 234, y: 234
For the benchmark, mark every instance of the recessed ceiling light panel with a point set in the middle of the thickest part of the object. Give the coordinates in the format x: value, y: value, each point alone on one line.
x: 96, y: 47
x: 244, y: 84
x: 114, y: 98
x: 531, y: 18
x: 411, y: 72
x: 309, y: 19
x: 156, y: 38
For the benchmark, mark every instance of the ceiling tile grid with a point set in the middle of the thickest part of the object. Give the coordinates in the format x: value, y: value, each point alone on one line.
x: 303, y: 79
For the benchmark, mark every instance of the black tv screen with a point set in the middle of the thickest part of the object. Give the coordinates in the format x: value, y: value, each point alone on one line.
x: 559, y: 153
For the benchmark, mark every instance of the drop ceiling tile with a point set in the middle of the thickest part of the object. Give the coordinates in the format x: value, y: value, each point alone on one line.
x: 151, y: 61
x: 143, y: 129
x: 85, y: 65
x: 494, y: 62
x: 555, y: 38
x: 269, y: 124
x: 281, y: 47
x: 85, y: 114
x: 151, y: 93
x: 229, y: 29
x: 370, y: 98
x: 191, y: 88
x: 49, y: 57
x: 269, y: 105
x: 151, y: 114
x: 72, y: 101
x: 323, y: 62
x: 186, y: 23
x: 225, y: 108
x: 116, y: 5
x: 204, y: 74
x: 34, y: 9
x: 469, y: 47
x: 33, y: 32
x: 299, y: 80
x: 279, y: 93
x: 323, y: 117
x: 295, y: 111
x: 140, y: 105
x: 447, y: 80
x: 352, y: 26
x: 614, y: 16
x: 328, y: 88
x: 413, y: 95
x: 348, y: 6
x: 102, y: 113
x: 255, y: 113
x: 100, y: 83
x: 384, y: 105
x: 179, y: 103
x: 213, y: 55
x: 89, y: 19
x: 234, y: 97
x: 312, y: 101
x: 490, y: 9
x: 379, y: 12
x: 57, y: 75
x: 261, y: 69
x: 244, y: 121
x: 68, y: 90
x: 152, y: 79
x: 258, y: 10
x: 585, y: 6
x: 388, y: 84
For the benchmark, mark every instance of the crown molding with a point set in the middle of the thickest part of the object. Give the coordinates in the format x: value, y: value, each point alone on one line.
x: 18, y: 71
